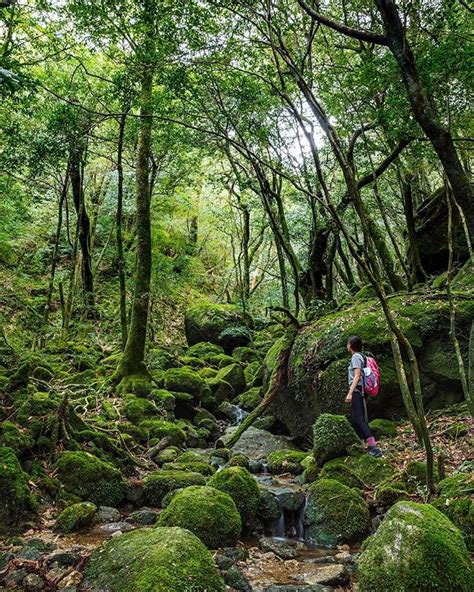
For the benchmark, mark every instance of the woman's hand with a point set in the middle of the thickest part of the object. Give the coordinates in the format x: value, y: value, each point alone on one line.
x: 349, y: 397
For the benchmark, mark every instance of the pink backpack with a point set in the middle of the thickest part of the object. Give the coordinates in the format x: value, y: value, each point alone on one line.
x: 371, y: 377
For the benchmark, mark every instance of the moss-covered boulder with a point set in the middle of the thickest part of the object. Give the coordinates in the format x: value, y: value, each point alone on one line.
x: 286, y: 461
x: 389, y: 492
x: 334, y: 514
x: 207, y: 512
x: 14, y: 490
x: 137, y: 409
x: 90, y: 478
x: 382, y: 428
x: 194, y: 466
x: 318, y: 361
x: 362, y: 470
x: 163, y: 399
x: 204, y: 350
x: 455, y: 500
x: 219, y: 391
x: 233, y: 375
x: 76, y: 517
x: 153, y: 560
x: 159, y: 428
x: 415, y: 549
x: 158, y: 483
x: 243, y: 489
x: 18, y: 439
x: 414, y: 475
x: 249, y: 399
x: 206, y: 321
x: 183, y: 380
x: 333, y: 436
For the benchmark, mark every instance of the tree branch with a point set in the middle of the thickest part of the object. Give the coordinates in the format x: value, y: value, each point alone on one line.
x: 341, y: 28
x: 383, y: 166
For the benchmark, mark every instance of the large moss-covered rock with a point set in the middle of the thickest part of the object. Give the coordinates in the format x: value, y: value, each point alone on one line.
x: 183, y: 380
x: 206, y: 321
x: 15, y: 438
x: 194, y: 466
x: 415, y: 549
x: 153, y: 560
x: 333, y: 436
x: 233, y: 375
x: 76, y: 517
x: 207, y: 512
x: 243, y: 489
x: 90, y: 478
x: 334, y: 514
x: 318, y: 361
x: 456, y: 502
x: 250, y: 399
x: 137, y: 409
x: 414, y: 475
x: 159, y: 483
x: 286, y: 461
x: 159, y: 428
x: 14, y: 491
x: 366, y: 471
x: 204, y: 350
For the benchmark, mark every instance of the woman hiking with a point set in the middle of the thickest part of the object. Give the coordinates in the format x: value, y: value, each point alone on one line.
x: 356, y: 397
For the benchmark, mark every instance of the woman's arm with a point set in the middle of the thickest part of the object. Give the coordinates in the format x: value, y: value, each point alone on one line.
x: 355, y: 382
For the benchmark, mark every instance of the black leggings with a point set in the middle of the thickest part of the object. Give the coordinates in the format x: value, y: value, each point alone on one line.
x: 358, y: 416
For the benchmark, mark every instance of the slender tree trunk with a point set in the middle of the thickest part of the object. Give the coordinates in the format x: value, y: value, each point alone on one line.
x: 132, y: 364
x: 118, y: 230
x: 423, y: 109
x: 452, y: 311
x: 54, y: 258
x: 76, y: 175
x: 417, y: 272
x: 285, y: 298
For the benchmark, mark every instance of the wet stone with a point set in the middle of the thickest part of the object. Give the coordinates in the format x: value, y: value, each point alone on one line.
x: 116, y: 527
x: 144, y: 517
x: 328, y: 575
x: 290, y: 499
x: 236, y: 553
x: 63, y: 558
x: 33, y: 549
x: 283, y: 549
x: 108, y: 514
x: 15, y: 578
x: 297, y: 588
x: 234, y: 578
x: 223, y: 563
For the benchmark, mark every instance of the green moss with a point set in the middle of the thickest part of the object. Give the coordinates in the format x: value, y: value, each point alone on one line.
x: 15, y: 438
x: 206, y: 321
x: 158, y: 428
x: 160, y: 359
x: 90, y: 478
x: 366, y: 469
x: 250, y: 399
x: 456, y: 502
x: 221, y: 360
x: 197, y: 467
x: 159, y: 483
x: 415, y: 549
x: 334, y: 469
x: 311, y: 471
x: 286, y: 461
x: 76, y: 517
x: 234, y: 375
x: 245, y: 354
x: 191, y: 361
x: 207, y: 512
x: 139, y: 384
x: 157, y: 559
x: 183, y: 380
x: 169, y: 454
x: 243, y: 488
x: 207, y: 372
x: 137, y: 409
x: 221, y: 390
x: 334, y: 514
x: 163, y: 399
x: 191, y: 456
x: 333, y: 436
x: 204, y: 350
x: 239, y: 460
x: 457, y: 430
x: 14, y: 491
x: 389, y: 492
x: 383, y: 428
x: 414, y: 475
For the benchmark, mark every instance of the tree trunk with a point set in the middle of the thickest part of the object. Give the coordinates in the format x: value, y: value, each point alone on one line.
x: 416, y: 268
x: 76, y: 175
x: 118, y: 230
x: 132, y: 370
